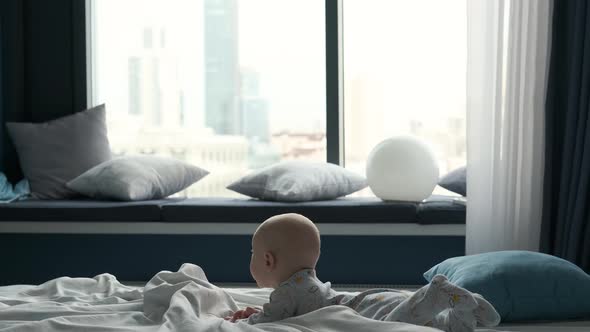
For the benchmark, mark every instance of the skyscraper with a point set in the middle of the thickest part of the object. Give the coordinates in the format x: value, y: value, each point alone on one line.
x: 155, y: 91
x: 222, y: 110
x: 255, y: 122
x: 134, y: 65
x: 254, y: 108
x: 144, y: 81
x: 144, y: 88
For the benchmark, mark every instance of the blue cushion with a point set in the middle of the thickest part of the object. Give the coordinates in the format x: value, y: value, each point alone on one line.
x: 455, y: 181
x: 83, y: 210
x: 239, y: 210
x: 522, y: 285
x: 439, y: 209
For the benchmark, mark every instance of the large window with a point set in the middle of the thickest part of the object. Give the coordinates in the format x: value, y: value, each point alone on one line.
x: 235, y: 85
x: 229, y: 85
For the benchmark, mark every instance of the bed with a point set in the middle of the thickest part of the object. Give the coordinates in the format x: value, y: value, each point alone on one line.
x: 182, y: 300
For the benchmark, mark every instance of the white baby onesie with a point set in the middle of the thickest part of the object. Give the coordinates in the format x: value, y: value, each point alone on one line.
x: 300, y: 294
x: 303, y: 292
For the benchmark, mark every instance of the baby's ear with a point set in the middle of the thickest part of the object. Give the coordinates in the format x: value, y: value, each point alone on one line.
x: 269, y: 260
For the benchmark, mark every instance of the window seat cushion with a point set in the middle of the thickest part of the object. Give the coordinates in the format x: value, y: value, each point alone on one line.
x: 435, y: 210
x: 82, y: 210
x: 342, y: 210
x: 438, y: 209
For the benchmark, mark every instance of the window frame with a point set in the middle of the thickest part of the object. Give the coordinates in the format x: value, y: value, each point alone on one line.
x: 334, y: 84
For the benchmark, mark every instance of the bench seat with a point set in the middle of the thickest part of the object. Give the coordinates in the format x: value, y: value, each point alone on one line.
x: 436, y: 210
x: 343, y: 210
x: 83, y: 210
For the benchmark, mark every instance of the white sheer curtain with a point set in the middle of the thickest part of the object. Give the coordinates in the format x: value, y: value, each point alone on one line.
x: 508, y: 53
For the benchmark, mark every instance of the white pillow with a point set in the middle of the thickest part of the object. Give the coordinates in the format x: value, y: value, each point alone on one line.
x: 297, y: 181
x: 134, y: 178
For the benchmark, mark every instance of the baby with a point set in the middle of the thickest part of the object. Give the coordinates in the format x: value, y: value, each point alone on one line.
x: 285, y: 250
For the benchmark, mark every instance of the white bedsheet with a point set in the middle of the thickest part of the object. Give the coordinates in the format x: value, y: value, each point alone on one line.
x: 172, y: 301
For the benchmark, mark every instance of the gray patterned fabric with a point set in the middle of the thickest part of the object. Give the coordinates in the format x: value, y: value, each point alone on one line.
x: 134, y: 178
x: 297, y: 181
x: 303, y: 292
x: 55, y: 152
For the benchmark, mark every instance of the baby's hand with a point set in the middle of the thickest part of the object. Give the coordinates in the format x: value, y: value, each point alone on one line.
x: 242, y: 314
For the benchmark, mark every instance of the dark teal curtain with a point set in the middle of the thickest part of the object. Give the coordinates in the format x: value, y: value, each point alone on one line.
x: 1, y: 104
x: 42, y: 65
x: 566, y: 215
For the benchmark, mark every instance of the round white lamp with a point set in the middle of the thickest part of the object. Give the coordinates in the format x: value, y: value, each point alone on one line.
x: 402, y: 169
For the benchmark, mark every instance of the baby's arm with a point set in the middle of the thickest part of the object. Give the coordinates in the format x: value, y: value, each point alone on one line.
x: 281, y: 306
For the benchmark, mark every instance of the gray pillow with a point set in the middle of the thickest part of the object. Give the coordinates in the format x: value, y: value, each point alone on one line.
x: 455, y: 181
x: 297, y: 181
x: 54, y: 152
x: 134, y: 178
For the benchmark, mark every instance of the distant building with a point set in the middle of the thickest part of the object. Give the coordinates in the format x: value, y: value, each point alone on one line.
x: 300, y: 146
x: 159, y: 111
x: 254, y: 107
x: 156, y: 105
x: 144, y: 88
x: 362, y: 132
x: 255, y: 122
x: 222, y: 111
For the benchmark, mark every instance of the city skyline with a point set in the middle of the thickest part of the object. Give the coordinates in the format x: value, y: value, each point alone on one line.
x: 187, y: 84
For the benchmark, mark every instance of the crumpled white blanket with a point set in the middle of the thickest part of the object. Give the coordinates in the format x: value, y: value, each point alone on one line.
x: 170, y: 301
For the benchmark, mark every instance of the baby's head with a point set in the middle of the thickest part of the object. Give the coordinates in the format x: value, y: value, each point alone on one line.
x: 281, y: 246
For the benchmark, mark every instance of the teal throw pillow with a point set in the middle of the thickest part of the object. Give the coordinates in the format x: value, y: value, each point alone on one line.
x: 522, y: 285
